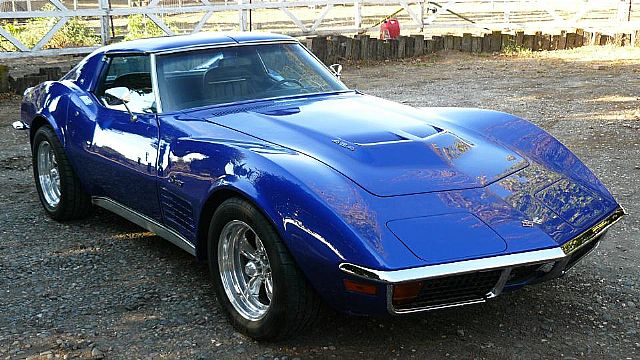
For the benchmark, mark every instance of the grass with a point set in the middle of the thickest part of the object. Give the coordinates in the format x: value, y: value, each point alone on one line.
x: 511, y: 49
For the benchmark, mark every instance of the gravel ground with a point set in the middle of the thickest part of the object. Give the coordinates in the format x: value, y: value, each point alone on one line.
x: 101, y: 287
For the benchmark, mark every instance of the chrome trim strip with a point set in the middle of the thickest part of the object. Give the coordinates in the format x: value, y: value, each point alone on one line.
x: 455, y: 268
x: 19, y: 125
x: 225, y: 44
x: 502, y: 281
x: 154, y: 83
x: 154, y: 72
x: 437, y: 307
x: 145, y: 222
x: 395, y: 311
x: 593, y: 232
x: 568, y: 266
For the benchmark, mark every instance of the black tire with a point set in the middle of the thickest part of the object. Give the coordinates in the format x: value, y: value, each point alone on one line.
x: 74, y: 202
x: 294, y: 305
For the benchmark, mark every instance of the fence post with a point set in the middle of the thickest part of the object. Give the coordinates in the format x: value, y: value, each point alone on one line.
x: 364, y: 46
x: 562, y: 43
x: 418, y: 46
x: 402, y: 47
x: 466, y: 42
x: 105, y: 35
x: 242, y: 17
x: 429, y: 46
x: 348, y: 49
x: 380, y: 49
x: 496, y: 41
x: 319, y: 47
x: 579, y: 38
x: 519, y: 38
x: 4, y: 78
x: 476, y: 44
x: 357, y: 22
x: 422, y: 17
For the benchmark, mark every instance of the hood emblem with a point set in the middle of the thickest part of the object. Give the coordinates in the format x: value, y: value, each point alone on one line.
x: 344, y: 144
x: 530, y: 223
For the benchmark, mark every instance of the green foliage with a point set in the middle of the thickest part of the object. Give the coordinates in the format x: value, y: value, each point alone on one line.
x: 140, y: 26
x: 74, y: 33
x: 510, y: 48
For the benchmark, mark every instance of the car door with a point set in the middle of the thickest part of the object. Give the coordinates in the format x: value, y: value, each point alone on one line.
x: 119, y: 146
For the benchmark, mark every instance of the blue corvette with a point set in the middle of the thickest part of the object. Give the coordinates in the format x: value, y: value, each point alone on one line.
x: 247, y: 152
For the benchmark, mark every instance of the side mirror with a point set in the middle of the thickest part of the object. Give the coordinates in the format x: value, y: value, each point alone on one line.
x: 123, y: 96
x: 336, y: 69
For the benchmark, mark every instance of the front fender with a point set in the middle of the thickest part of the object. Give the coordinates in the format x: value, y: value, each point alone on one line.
x: 323, y: 218
x: 264, y: 175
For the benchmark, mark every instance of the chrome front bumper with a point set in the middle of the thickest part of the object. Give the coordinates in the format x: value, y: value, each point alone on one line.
x: 560, y: 259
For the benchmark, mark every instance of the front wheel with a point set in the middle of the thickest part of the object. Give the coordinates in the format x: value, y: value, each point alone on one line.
x: 58, y: 187
x: 257, y: 282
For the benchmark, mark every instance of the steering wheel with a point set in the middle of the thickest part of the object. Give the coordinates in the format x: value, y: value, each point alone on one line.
x: 284, y: 81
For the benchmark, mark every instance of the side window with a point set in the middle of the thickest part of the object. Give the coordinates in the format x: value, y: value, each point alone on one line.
x: 134, y: 73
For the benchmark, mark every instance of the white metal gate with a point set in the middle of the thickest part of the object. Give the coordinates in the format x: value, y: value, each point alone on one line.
x: 308, y: 17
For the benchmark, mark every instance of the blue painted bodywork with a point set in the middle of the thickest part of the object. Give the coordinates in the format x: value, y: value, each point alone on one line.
x: 343, y: 177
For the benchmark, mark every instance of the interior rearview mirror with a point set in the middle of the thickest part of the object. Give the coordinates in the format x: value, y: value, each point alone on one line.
x: 336, y: 69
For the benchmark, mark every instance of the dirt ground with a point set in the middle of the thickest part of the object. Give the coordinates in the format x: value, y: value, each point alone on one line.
x: 101, y: 287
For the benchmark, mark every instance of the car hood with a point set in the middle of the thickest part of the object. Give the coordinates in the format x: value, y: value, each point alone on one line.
x: 388, y: 149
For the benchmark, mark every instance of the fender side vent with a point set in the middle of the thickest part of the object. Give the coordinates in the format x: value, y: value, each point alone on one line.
x: 177, y: 212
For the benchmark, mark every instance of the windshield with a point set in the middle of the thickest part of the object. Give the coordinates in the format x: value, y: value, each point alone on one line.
x: 217, y: 76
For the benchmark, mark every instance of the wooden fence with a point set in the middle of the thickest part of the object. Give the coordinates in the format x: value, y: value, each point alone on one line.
x: 365, y: 48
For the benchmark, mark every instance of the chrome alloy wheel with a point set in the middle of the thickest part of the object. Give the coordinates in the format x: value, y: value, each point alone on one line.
x: 244, y: 270
x: 48, y: 174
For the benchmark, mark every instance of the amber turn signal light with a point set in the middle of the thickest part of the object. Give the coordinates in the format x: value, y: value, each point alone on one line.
x: 406, y: 292
x: 359, y: 287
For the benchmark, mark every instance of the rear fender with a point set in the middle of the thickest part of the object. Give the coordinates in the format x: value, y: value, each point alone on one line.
x: 46, y: 104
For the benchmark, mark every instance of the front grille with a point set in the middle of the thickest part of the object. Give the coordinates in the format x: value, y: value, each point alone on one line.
x: 523, y: 274
x: 453, y: 289
x: 529, y: 274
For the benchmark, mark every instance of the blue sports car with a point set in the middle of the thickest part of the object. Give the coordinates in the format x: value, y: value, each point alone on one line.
x: 247, y: 152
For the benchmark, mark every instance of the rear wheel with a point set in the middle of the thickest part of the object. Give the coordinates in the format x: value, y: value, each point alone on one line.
x: 58, y: 187
x: 257, y: 282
